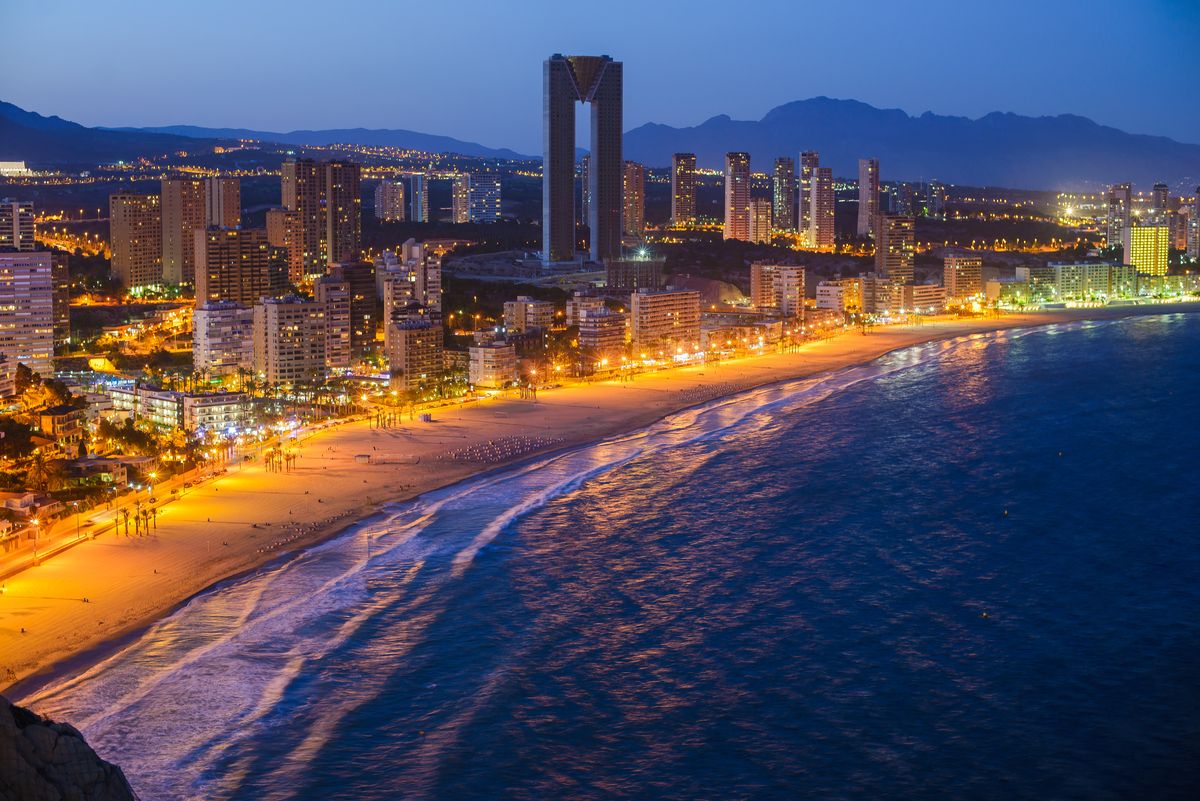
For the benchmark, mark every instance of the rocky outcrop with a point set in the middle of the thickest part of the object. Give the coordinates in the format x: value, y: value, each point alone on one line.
x: 45, y: 761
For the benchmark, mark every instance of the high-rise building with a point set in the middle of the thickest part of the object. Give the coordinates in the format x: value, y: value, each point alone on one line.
x: 783, y: 197
x: 332, y: 292
x: 135, y: 232
x: 222, y: 338
x: 460, y: 198
x: 821, y: 232
x: 60, y: 275
x: 962, y: 276
x: 183, y: 212
x: 16, y: 225
x: 389, y: 201
x: 894, y: 248
x: 602, y: 334
x: 415, y: 352
x: 238, y: 265
x: 303, y: 188
x: 343, y: 211
x: 493, y: 365
x: 418, y: 186
x: 485, y: 196
x: 683, y: 189
x: 1147, y: 248
x: 664, y: 323
x: 760, y: 220
x: 223, y: 202
x: 283, y: 231
x: 635, y: 199
x: 289, y: 340
x: 809, y: 161
x: 1162, y: 200
x: 359, y: 277
x: 596, y: 80
x: 1193, y: 245
x: 737, y: 196
x: 1120, y: 211
x: 27, y: 311
x: 868, y: 196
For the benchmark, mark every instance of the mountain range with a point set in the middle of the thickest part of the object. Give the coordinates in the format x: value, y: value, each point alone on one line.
x: 998, y: 149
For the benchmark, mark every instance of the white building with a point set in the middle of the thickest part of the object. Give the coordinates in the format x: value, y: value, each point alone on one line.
x: 527, y: 314
x: 389, y: 201
x: 460, y: 198
x: 962, y: 276
x: 841, y: 295
x: 222, y: 338
x: 27, y: 311
x: 493, y: 365
x: 579, y: 303
x: 666, y: 322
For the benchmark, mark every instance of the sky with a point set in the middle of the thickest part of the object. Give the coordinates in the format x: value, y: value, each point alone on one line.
x: 472, y: 69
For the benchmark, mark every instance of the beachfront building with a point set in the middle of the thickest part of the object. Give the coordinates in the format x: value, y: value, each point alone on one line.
x: 603, y: 335
x: 778, y: 288
x: 580, y: 302
x: 665, y: 323
x: 222, y: 338
x: 962, y: 276
x: 526, y: 314
x: 841, y: 295
x: 1147, y: 248
x: 493, y: 365
x: 289, y: 340
x: 415, y: 353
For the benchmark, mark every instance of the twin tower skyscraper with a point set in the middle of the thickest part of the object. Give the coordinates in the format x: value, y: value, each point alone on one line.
x: 596, y: 80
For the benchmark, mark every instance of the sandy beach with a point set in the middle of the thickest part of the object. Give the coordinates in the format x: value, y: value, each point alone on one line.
x: 250, y: 516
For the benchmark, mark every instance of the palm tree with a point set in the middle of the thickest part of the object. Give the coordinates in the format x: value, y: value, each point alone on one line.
x: 37, y: 475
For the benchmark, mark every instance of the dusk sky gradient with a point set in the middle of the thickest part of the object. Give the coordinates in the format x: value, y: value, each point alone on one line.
x: 472, y: 69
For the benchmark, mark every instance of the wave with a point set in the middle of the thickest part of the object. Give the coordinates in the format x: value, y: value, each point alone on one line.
x: 182, y: 707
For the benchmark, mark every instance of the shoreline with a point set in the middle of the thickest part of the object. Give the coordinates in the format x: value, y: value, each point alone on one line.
x: 113, y: 573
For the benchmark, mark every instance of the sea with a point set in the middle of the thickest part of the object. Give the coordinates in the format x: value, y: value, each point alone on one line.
x: 966, y: 570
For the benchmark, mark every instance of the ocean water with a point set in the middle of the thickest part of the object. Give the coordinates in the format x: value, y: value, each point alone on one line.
x: 967, y: 570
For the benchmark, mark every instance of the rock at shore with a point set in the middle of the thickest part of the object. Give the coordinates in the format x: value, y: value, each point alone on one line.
x: 45, y: 761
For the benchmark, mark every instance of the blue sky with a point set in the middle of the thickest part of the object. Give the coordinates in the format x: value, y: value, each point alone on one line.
x: 472, y: 69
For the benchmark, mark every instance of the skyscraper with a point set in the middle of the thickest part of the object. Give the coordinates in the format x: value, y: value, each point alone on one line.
x: 460, y: 198
x: 962, y: 276
x: 238, y: 265
x: 1120, y: 209
x: 737, y: 196
x: 16, y: 225
x: 389, y: 201
x: 303, y: 188
x: 683, y: 189
x: 783, y: 198
x: 634, y: 181
x: 223, y: 202
x: 809, y: 161
x: 183, y: 211
x: 589, y: 79
x: 135, y: 231
x: 868, y: 196
x: 485, y: 196
x: 821, y: 233
x: 760, y: 221
x: 1194, y: 228
x: 343, y: 211
x: 894, y: 248
x: 419, y: 194
x: 283, y: 231
x: 585, y: 192
x: 27, y: 311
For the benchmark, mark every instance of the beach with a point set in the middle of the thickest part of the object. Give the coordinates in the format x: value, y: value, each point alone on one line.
x: 250, y: 516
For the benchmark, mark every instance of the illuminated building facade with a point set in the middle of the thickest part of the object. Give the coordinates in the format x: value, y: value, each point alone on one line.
x: 737, y: 196
x: 635, y: 199
x: 683, y: 189
x: 184, y: 210
x: 238, y: 265
x: 962, y: 276
x: 485, y: 197
x: 783, y: 195
x: 760, y: 221
x: 283, y: 231
x: 460, y: 198
x: 868, y: 196
x: 419, y: 193
x: 135, y: 231
x: 777, y: 287
x: 16, y: 225
x: 894, y: 248
x: 821, y: 232
x: 596, y: 80
x: 27, y: 311
x: 222, y: 202
x: 415, y: 352
x: 302, y: 184
x: 389, y: 201
x: 665, y: 322
x: 1147, y: 247
x: 343, y: 211
x: 493, y: 365
x: 222, y: 338
x: 1120, y: 211
x: 527, y: 314
x: 809, y: 161
x: 289, y: 341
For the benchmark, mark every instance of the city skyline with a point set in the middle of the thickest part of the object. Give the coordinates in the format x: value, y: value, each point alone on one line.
x: 1052, y: 41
